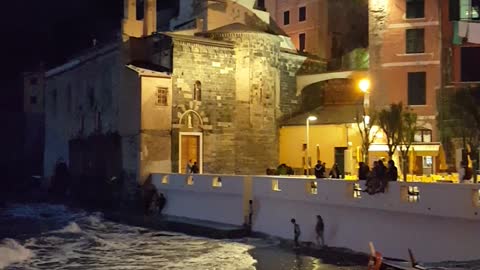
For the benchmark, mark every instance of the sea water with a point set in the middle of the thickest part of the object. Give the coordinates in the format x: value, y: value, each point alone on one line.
x: 45, y: 236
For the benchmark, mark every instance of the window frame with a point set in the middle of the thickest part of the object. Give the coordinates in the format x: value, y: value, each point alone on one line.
x: 300, y: 17
x: 162, y: 96
x: 300, y: 42
x: 412, y: 4
x: 410, y: 38
x: 424, y: 132
x: 412, y: 99
x: 286, y: 17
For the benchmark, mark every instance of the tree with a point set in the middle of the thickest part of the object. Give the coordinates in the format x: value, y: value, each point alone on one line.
x: 406, y: 137
x: 390, y: 121
x: 365, y: 125
x: 465, y: 122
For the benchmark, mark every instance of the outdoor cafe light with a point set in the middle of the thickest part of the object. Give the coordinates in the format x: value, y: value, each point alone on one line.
x: 312, y: 118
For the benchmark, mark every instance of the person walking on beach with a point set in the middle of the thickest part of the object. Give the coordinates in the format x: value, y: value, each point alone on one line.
x: 250, y: 213
x: 296, y: 232
x: 319, y: 228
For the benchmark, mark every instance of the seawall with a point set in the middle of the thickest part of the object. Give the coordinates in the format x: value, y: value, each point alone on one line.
x: 439, y: 222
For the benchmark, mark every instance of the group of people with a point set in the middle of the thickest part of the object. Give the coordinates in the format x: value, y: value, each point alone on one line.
x: 321, y: 168
x: 319, y: 229
x: 377, y: 179
x: 192, y: 167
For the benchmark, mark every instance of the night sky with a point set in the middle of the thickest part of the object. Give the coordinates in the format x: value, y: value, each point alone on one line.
x: 50, y: 31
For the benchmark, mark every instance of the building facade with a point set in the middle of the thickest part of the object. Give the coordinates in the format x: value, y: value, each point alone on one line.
x: 212, y: 92
x: 405, y: 65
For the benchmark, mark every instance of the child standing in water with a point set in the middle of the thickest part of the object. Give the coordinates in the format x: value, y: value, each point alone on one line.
x: 296, y: 232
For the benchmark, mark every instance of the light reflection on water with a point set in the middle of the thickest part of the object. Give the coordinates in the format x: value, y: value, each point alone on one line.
x: 54, y: 237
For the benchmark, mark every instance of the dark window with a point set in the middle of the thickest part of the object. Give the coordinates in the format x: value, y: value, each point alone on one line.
x: 162, y: 96
x: 54, y: 101
x: 302, y: 14
x: 197, y: 91
x: 33, y: 81
x: 415, y: 9
x: 415, y: 40
x: 261, y: 4
x: 140, y: 14
x: 423, y: 135
x: 286, y: 17
x: 301, y: 42
x: 417, y: 88
x: 469, y: 64
x: 33, y: 100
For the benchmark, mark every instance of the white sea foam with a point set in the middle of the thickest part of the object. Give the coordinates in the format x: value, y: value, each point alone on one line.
x: 72, y: 227
x: 12, y: 252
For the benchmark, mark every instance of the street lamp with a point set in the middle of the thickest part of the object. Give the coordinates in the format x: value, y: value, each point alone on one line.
x: 364, y: 86
x: 307, y: 151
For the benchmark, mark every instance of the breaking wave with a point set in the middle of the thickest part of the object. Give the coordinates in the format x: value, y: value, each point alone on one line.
x: 12, y: 252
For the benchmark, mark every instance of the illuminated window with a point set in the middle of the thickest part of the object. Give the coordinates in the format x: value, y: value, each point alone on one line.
x: 190, y: 180
x: 413, y: 194
x: 415, y: 40
x: 286, y: 17
x: 162, y: 96
x: 275, y: 186
x: 165, y: 179
x: 423, y: 135
x: 357, y: 191
x: 312, y: 186
x: 417, y: 88
x: 217, y: 182
x: 302, y: 14
x: 301, y: 42
x: 415, y: 9
x: 469, y: 10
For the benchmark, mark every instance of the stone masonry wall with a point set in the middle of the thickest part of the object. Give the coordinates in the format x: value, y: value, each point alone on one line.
x: 247, y: 87
x: 213, y: 67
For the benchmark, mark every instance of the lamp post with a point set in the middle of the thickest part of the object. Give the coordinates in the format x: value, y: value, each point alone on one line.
x: 364, y: 86
x: 307, y: 150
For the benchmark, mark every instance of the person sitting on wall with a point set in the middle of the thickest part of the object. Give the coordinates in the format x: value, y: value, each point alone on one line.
x: 318, y: 169
x: 195, y: 168
x: 296, y: 232
x: 188, y: 169
x: 334, y: 172
x: 392, y: 171
x: 372, y: 182
x: 465, y: 173
x: 382, y: 177
x: 363, y: 171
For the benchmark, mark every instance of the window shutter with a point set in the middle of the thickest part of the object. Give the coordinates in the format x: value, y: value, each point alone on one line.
x: 454, y: 10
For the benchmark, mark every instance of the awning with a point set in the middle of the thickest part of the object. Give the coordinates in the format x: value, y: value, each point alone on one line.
x: 428, y: 149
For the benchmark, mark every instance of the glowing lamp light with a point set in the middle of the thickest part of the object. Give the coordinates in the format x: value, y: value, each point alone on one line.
x: 312, y: 118
x: 364, y: 85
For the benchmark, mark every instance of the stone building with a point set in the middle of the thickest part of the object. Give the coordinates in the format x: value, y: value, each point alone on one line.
x: 212, y: 92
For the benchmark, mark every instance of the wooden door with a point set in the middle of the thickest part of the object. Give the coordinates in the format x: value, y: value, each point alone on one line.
x: 190, y: 151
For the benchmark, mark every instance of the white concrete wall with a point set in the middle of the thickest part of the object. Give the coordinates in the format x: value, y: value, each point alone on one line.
x: 442, y: 225
x: 201, y: 200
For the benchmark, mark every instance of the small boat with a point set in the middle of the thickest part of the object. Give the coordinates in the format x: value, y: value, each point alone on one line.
x: 378, y: 262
